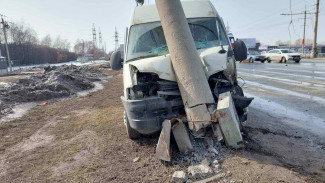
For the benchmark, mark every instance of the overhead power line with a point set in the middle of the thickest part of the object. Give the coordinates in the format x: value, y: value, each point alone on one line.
x: 271, y: 15
x: 291, y: 14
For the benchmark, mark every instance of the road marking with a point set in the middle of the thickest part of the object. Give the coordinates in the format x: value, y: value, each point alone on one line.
x: 287, y: 92
x: 310, y: 72
x: 297, y: 118
x: 282, y: 79
x: 313, y: 64
x: 305, y: 71
x: 279, y: 73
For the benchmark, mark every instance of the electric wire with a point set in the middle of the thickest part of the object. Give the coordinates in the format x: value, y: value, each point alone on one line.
x: 243, y: 81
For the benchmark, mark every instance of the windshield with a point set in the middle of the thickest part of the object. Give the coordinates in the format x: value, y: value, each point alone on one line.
x: 148, y: 40
x: 286, y: 51
x: 253, y: 52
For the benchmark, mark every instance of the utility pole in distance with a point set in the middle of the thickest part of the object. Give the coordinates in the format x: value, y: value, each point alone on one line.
x: 304, y: 32
x: 5, y: 26
x: 314, y: 51
x: 304, y: 35
x: 83, y: 51
x: 100, y: 40
x: 94, y: 37
x: 116, y: 35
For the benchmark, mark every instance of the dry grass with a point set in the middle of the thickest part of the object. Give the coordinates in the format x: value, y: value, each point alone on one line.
x: 84, y: 140
x: 89, y: 143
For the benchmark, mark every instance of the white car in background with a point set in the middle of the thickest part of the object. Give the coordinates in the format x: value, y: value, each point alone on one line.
x: 283, y: 55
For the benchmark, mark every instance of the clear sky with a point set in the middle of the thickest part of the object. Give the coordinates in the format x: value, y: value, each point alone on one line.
x: 73, y: 19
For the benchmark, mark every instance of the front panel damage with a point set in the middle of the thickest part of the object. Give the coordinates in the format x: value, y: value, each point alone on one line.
x: 152, y: 100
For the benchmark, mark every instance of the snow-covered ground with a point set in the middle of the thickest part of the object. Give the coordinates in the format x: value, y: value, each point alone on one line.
x: 59, y: 64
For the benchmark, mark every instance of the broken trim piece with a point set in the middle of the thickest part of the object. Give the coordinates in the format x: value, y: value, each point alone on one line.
x: 163, y: 150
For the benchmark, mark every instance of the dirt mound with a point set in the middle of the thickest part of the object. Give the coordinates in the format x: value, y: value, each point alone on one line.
x: 56, y: 82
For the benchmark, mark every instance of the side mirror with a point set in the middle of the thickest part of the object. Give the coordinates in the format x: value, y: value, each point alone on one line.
x: 141, y: 2
x: 116, y: 60
x: 240, y: 50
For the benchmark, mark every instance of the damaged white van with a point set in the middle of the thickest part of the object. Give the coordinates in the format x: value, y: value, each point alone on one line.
x: 151, y: 93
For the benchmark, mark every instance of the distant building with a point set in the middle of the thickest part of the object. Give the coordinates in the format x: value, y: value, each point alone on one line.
x: 85, y: 58
x: 3, y: 65
x: 267, y: 48
x: 250, y: 42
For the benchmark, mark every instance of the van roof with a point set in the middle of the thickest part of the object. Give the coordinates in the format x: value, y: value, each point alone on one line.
x: 192, y: 9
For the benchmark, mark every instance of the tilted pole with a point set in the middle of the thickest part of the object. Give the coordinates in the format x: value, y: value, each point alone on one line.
x: 192, y: 81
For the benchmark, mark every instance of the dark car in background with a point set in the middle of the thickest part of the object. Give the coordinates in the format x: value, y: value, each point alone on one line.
x: 253, y: 55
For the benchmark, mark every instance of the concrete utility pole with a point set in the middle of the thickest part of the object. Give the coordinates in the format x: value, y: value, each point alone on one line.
x: 4, y: 26
x: 83, y: 51
x: 192, y: 81
x: 314, y: 51
x: 116, y: 39
x: 304, y: 34
x: 100, y: 40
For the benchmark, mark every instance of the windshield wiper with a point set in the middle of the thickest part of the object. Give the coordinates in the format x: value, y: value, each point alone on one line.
x: 142, y: 57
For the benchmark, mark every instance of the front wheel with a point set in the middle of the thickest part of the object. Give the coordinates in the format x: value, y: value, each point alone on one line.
x: 268, y: 59
x: 297, y: 61
x: 283, y: 60
x: 132, y: 134
x: 263, y: 61
x: 251, y: 60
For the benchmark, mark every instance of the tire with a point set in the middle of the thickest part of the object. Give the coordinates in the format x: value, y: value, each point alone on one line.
x: 263, y: 61
x: 251, y: 60
x: 240, y: 50
x: 283, y: 60
x: 268, y: 59
x: 297, y: 61
x: 132, y: 134
x: 116, y: 61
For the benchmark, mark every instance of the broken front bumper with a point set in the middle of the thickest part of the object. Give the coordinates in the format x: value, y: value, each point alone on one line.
x: 146, y: 115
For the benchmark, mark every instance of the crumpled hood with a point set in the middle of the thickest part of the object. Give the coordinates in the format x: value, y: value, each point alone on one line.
x: 212, y: 62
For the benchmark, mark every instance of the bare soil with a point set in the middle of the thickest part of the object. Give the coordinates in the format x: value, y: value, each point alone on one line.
x: 84, y: 140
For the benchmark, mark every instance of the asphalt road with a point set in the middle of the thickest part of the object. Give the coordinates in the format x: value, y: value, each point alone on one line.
x: 287, y: 117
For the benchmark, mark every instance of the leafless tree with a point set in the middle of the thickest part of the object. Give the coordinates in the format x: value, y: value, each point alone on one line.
x: 62, y: 44
x: 308, y: 42
x: 81, y: 46
x: 20, y: 33
x: 26, y: 49
x: 278, y: 42
x: 47, y: 41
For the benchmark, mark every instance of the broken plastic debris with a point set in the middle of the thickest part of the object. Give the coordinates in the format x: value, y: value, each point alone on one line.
x: 163, y: 147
